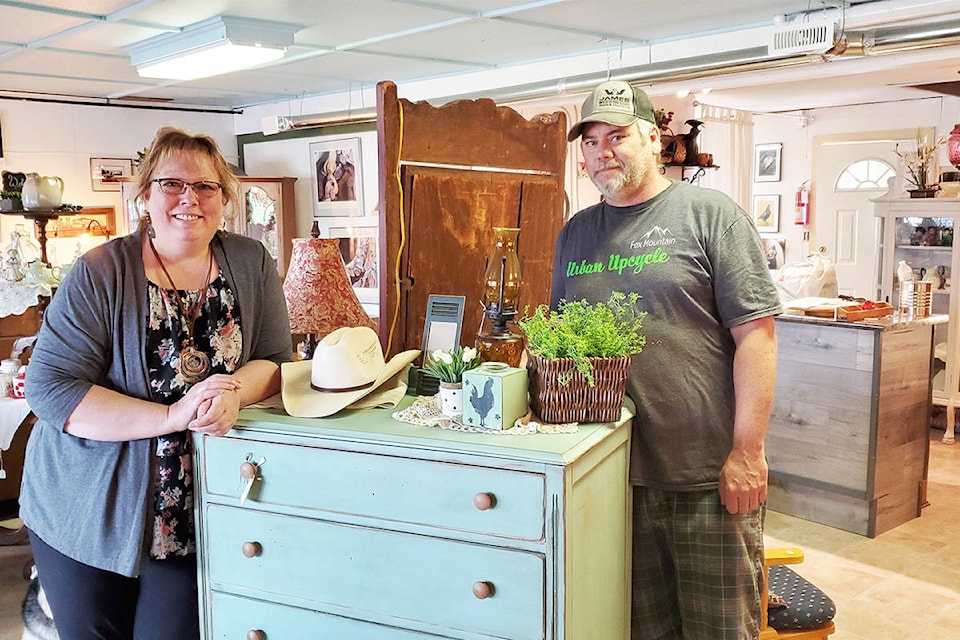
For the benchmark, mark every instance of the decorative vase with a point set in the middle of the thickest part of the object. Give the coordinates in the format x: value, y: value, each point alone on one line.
x: 923, y: 193
x: 451, y: 398
x: 953, y: 146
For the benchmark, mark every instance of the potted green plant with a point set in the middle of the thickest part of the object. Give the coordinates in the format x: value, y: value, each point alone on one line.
x: 448, y: 367
x: 10, y: 201
x: 579, y: 357
x: 919, y: 163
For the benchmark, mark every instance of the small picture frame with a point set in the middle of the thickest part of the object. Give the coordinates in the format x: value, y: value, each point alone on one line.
x: 766, y: 162
x: 774, y: 250
x: 359, y: 248
x: 105, y: 173
x: 766, y: 213
x: 337, y: 177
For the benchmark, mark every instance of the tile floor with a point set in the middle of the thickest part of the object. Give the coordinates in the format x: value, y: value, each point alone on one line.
x: 902, y: 585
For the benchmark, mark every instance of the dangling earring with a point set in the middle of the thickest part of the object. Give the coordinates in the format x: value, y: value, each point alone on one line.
x: 151, y: 232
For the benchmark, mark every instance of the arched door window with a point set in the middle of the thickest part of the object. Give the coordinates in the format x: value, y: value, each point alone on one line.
x: 865, y: 175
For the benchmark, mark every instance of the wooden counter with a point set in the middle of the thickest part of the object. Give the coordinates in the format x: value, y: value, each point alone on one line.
x: 848, y: 442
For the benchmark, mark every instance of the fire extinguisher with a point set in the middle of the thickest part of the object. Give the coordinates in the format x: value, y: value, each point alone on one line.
x: 802, y: 206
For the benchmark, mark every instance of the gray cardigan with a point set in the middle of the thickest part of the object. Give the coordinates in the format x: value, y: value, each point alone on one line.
x: 89, y: 499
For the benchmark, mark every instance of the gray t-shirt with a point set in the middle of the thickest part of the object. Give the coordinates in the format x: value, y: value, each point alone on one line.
x: 696, y: 260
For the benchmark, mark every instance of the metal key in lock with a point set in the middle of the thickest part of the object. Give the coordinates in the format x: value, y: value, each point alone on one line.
x: 248, y: 475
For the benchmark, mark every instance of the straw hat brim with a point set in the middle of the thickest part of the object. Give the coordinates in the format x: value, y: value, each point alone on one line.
x: 302, y: 401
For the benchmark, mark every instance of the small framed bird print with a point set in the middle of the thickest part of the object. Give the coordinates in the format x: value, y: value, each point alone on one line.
x: 766, y: 213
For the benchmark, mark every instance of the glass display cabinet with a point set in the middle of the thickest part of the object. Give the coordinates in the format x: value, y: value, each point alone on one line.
x: 920, y: 232
x: 268, y: 215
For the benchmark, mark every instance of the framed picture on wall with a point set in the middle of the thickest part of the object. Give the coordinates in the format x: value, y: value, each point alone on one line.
x: 359, y: 247
x: 775, y: 251
x: 105, y: 173
x: 766, y: 162
x: 766, y: 213
x: 337, y: 177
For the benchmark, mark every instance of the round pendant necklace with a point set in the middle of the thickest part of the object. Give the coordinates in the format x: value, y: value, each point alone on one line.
x: 194, y: 364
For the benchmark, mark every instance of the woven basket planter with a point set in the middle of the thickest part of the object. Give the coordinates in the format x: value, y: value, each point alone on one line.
x: 555, y: 403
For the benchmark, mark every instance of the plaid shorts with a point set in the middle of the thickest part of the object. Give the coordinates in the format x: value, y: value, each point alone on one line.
x: 697, y: 570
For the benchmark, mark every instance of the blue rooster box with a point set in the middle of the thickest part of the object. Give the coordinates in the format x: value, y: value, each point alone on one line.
x: 494, y: 395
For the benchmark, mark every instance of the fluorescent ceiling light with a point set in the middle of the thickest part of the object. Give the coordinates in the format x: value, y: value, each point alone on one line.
x: 219, y: 45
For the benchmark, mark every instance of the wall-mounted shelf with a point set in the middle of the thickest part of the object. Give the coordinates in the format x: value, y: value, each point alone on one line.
x: 93, y: 221
x: 69, y: 222
x: 699, y: 170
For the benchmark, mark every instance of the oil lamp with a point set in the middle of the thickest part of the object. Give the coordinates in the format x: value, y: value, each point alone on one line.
x: 501, y: 294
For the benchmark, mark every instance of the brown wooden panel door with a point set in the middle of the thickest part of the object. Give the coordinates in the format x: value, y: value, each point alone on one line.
x: 451, y: 216
x: 448, y: 175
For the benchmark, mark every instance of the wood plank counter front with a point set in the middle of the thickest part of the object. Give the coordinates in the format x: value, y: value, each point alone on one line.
x: 848, y: 442
x: 359, y: 526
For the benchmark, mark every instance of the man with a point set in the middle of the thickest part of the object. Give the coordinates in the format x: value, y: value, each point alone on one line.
x: 703, y: 385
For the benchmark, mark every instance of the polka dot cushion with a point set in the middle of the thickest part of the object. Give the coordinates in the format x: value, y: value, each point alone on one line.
x: 806, y: 606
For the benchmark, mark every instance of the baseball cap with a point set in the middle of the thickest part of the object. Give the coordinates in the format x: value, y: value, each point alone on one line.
x: 617, y: 103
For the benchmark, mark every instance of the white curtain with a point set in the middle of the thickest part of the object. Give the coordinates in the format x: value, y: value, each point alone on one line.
x: 728, y: 135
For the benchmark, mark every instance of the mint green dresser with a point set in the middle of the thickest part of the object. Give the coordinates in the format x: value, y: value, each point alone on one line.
x: 358, y: 526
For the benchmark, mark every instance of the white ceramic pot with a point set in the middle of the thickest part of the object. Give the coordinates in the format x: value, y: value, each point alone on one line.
x: 451, y: 399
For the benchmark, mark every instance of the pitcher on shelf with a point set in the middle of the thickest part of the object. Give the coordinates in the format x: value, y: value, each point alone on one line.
x: 42, y: 192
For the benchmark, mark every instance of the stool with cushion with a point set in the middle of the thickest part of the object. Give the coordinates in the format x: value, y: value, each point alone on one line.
x: 799, y: 610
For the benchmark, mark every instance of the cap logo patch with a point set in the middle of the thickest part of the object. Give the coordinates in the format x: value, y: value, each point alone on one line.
x: 615, y: 99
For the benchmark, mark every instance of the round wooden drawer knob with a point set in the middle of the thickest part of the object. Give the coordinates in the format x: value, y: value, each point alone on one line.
x: 482, y: 590
x: 256, y: 634
x: 484, y: 501
x: 248, y: 470
x: 251, y: 549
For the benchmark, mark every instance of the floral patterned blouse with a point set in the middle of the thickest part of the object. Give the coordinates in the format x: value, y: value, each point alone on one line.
x: 216, y: 333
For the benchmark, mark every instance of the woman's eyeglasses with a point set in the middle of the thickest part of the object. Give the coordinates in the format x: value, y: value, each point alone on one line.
x: 175, y: 187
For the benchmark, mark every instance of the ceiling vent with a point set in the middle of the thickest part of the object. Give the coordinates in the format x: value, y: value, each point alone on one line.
x: 803, y: 35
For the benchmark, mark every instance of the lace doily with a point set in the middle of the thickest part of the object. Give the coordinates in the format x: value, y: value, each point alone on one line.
x: 425, y: 411
x: 17, y: 297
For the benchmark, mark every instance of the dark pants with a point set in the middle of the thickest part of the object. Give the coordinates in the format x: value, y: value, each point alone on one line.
x: 93, y: 604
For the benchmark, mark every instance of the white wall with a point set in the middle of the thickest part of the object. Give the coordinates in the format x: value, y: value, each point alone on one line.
x: 59, y: 139
x: 795, y: 169
x: 292, y: 158
x: 940, y: 112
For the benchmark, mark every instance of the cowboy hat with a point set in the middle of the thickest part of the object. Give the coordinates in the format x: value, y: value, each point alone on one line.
x: 347, y: 366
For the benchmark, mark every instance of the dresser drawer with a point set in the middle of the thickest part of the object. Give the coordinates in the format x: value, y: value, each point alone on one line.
x: 367, y: 572
x: 234, y: 616
x: 392, y: 488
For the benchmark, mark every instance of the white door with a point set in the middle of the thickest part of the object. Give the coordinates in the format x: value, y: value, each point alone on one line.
x: 846, y: 229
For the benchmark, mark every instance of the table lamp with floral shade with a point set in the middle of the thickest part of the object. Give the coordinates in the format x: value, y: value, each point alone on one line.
x: 318, y: 293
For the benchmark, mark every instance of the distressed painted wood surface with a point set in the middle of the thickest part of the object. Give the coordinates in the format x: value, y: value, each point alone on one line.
x: 369, y: 528
x: 847, y: 443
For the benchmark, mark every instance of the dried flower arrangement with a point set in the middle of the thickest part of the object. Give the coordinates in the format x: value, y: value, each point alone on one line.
x: 920, y: 162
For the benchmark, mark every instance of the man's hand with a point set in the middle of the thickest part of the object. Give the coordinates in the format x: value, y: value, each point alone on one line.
x: 743, y: 482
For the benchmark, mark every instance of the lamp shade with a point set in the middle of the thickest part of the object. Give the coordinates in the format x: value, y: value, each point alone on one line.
x: 318, y: 293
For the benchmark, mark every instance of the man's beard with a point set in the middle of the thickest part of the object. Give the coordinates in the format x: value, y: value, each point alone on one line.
x: 630, y: 175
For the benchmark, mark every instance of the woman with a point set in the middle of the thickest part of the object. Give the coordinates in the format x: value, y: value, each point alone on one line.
x: 154, y: 335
